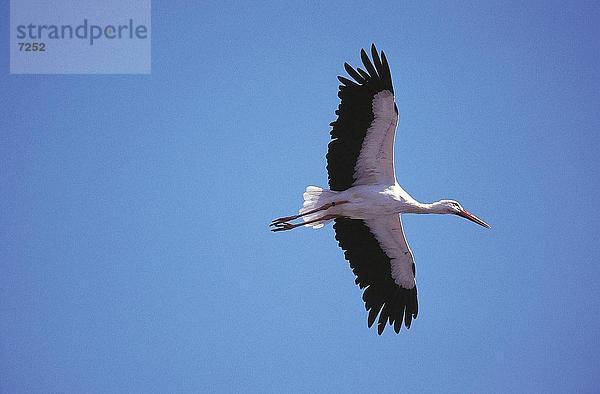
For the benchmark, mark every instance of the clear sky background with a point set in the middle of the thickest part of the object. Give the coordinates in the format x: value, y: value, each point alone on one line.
x: 134, y: 249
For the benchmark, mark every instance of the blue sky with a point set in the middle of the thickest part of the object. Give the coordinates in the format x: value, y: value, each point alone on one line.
x: 134, y: 249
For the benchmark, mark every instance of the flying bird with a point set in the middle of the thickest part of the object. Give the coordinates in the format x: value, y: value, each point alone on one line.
x: 364, y: 198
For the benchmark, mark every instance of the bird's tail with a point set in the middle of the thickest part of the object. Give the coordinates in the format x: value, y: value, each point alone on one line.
x: 315, y: 197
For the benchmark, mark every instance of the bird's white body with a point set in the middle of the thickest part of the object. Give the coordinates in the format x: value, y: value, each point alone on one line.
x: 363, y: 202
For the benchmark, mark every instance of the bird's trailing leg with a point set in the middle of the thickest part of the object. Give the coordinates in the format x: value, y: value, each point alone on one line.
x: 287, y: 219
x: 284, y: 226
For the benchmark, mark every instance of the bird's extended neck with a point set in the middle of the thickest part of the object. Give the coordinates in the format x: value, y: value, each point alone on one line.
x: 419, y: 207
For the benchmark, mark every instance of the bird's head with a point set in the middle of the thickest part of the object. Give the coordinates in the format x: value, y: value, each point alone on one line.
x: 454, y: 207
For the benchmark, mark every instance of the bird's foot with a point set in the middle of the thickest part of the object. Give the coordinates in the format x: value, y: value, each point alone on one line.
x: 283, y: 226
x: 284, y: 219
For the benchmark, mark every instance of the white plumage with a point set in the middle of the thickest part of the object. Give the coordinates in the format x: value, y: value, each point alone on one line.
x: 375, y: 164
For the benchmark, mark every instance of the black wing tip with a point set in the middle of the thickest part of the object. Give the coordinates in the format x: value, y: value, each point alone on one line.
x: 400, y: 311
x: 378, y: 69
x: 392, y: 313
x: 345, y: 83
x: 358, y: 77
x: 369, y: 65
x: 375, y: 55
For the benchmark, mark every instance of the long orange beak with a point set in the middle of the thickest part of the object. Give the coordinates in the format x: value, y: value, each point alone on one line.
x: 467, y: 215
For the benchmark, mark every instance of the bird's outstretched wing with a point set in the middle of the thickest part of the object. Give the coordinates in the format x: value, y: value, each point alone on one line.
x: 383, y: 264
x: 362, y: 148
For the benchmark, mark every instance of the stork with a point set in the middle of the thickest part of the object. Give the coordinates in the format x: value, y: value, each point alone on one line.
x: 364, y: 198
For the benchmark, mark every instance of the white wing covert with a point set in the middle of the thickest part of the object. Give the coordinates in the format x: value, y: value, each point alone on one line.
x: 389, y: 233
